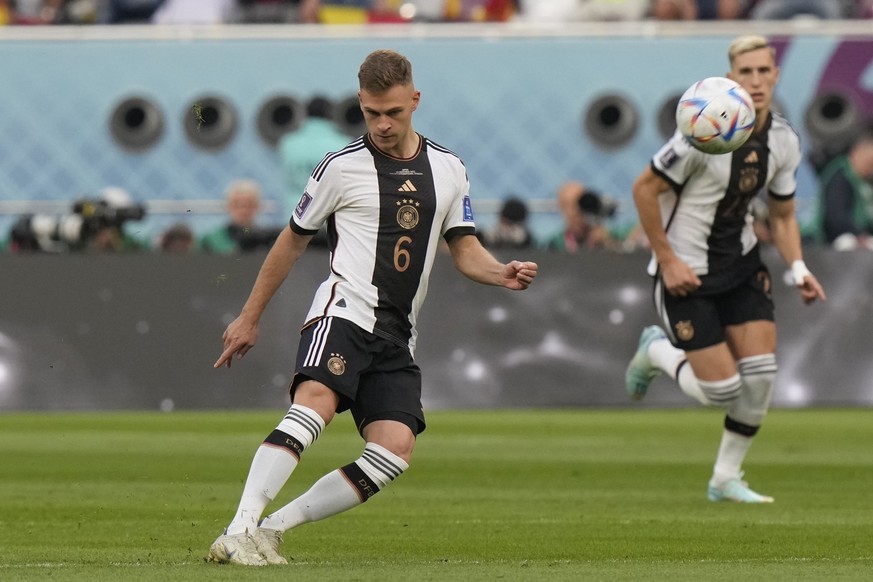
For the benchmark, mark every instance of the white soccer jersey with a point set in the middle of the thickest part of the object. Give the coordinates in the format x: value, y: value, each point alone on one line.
x: 707, y: 214
x: 385, y: 217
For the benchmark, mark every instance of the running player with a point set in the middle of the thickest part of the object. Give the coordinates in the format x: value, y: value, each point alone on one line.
x: 387, y: 198
x: 712, y: 292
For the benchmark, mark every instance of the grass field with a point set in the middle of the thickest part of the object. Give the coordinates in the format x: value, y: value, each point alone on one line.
x: 509, y: 495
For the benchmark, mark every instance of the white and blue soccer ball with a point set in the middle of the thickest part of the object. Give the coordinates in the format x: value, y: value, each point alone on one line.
x: 716, y: 115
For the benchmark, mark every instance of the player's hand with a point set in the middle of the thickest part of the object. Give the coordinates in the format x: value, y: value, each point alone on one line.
x: 679, y: 278
x: 518, y: 275
x: 239, y: 337
x: 811, y: 290
x: 809, y: 287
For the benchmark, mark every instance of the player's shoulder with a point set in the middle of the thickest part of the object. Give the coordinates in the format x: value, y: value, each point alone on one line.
x: 436, y: 149
x: 782, y: 128
x: 674, y: 152
x: 335, y: 160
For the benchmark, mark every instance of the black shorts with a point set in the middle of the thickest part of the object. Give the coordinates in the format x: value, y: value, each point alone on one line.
x: 697, y: 321
x: 375, y: 378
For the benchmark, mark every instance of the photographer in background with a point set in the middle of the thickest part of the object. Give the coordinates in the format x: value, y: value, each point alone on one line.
x: 584, y: 211
x: 94, y: 225
x: 241, y: 233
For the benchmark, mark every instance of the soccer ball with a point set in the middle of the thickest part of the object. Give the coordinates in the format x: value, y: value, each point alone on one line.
x: 716, y: 115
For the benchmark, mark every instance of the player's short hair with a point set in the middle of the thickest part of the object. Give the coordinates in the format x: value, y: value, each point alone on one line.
x: 384, y: 69
x: 748, y: 43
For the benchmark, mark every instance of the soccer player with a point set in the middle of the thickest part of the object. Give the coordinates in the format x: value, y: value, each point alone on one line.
x: 387, y: 198
x: 712, y: 291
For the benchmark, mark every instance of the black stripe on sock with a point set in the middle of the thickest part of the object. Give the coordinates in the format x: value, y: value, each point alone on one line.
x: 359, y: 480
x: 286, y: 441
x: 740, y: 428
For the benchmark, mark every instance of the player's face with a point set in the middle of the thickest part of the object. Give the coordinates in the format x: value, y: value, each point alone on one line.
x: 389, y: 118
x: 757, y: 72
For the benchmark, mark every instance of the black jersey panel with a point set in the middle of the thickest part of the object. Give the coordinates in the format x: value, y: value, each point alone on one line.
x: 407, y: 200
x: 748, y: 175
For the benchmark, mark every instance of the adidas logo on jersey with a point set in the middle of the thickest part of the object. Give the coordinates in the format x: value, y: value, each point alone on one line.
x: 407, y: 187
x: 752, y: 158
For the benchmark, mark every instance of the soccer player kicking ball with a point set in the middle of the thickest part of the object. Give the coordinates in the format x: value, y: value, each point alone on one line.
x: 387, y: 199
x: 712, y: 291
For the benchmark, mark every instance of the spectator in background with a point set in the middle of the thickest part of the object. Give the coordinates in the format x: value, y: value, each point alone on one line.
x: 241, y: 233
x: 197, y: 12
x: 584, y: 211
x: 788, y: 9
x: 548, y: 10
x: 612, y: 10
x: 511, y: 231
x: 302, y: 149
x: 674, y: 10
x: 35, y: 12
x: 846, y: 198
x: 721, y: 9
x: 268, y: 11
x: 130, y: 11
x: 698, y: 9
x: 178, y: 239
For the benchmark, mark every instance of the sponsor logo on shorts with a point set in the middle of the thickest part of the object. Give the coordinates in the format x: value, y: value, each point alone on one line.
x: 684, y: 331
x: 336, y: 365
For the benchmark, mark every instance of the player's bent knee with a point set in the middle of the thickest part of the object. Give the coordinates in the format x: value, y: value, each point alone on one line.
x: 759, y: 375
x: 374, y: 470
x: 722, y: 392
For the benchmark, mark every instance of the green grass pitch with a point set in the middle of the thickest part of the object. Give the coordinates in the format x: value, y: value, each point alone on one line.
x: 491, y: 495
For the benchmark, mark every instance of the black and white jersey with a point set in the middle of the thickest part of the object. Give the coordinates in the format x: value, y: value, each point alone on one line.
x: 707, y: 214
x: 384, y: 219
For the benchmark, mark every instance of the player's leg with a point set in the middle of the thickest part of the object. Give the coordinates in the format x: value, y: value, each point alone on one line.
x: 387, y: 411
x: 272, y: 465
x: 751, y: 335
x: 314, y: 405
x: 349, y: 486
x: 690, y: 349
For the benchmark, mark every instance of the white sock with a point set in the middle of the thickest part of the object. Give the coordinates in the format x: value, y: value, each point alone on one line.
x: 731, y: 453
x: 689, y: 385
x: 666, y: 357
x: 340, y: 490
x: 274, y: 461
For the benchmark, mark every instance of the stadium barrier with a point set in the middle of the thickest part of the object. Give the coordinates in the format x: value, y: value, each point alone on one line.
x: 86, y: 332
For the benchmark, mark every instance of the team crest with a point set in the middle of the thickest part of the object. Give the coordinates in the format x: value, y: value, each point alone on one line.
x: 336, y: 364
x: 407, y: 214
x: 748, y: 180
x: 684, y: 331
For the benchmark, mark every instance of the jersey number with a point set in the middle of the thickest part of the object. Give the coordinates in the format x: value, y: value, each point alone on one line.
x: 401, y: 255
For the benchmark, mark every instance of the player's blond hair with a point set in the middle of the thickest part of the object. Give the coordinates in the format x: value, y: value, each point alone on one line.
x: 748, y: 43
x: 384, y: 69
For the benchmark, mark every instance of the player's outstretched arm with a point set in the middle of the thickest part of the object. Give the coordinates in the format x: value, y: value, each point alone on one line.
x: 242, y: 333
x: 786, y: 237
x: 476, y: 263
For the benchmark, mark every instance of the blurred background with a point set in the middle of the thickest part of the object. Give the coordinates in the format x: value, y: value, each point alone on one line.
x: 150, y: 152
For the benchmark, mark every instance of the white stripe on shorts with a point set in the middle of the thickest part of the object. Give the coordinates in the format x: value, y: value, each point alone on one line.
x: 319, y: 338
